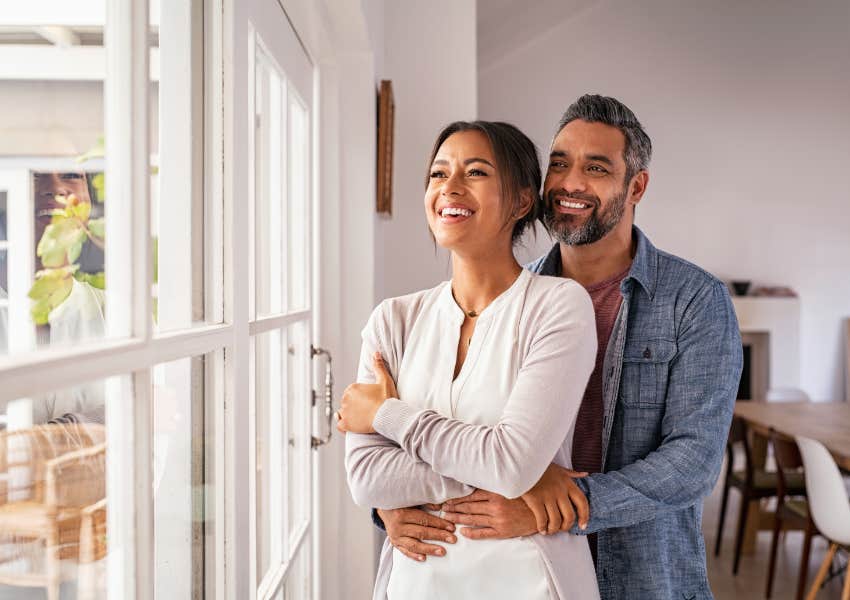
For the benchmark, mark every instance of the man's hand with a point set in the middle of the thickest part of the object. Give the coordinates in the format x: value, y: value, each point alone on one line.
x: 556, y: 499
x: 407, y: 528
x: 550, y: 506
x: 490, y: 516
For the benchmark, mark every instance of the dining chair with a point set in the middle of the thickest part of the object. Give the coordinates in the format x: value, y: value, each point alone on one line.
x: 54, y: 475
x: 752, y: 483
x: 792, y: 511
x: 830, y: 507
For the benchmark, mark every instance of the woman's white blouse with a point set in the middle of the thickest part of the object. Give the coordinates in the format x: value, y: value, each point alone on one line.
x: 509, y: 414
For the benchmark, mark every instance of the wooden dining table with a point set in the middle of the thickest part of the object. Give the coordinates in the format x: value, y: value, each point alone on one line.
x: 826, y: 422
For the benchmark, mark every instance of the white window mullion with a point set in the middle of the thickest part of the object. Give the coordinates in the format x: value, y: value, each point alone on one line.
x: 128, y: 301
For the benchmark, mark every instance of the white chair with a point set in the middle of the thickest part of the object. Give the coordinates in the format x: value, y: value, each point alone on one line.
x: 829, y: 505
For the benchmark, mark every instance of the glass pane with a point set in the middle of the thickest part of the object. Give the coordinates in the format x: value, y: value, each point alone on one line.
x: 52, y: 148
x: 269, y: 384
x: 4, y: 277
x: 298, y: 249
x: 181, y: 444
x: 270, y: 190
x: 3, y: 217
x: 298, y: 431
x: 53, y: 495
x: 177, y: 208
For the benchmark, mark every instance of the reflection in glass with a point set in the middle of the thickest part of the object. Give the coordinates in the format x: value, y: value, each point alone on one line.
x: 53, y: 494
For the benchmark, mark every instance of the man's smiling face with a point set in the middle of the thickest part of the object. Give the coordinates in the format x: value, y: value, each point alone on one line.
x: 586, y: 190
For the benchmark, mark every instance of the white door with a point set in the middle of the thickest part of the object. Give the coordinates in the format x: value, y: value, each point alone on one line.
x: 279, y: 303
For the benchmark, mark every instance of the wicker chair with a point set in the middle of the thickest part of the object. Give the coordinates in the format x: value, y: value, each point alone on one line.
x: 53, y: 487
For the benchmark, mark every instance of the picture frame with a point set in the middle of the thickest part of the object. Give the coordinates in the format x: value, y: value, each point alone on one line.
x: 386, y: 123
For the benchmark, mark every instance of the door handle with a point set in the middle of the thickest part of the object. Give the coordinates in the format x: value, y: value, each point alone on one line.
x: 326, y: 397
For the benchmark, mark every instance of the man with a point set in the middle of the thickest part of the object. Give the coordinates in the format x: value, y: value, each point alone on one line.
x: 656, y: 412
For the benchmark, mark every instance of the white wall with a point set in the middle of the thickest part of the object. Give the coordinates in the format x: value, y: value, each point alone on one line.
x: 748, y: 107
x: 429, y: 53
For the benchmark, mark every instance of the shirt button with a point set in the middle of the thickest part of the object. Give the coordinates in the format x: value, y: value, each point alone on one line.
x: 604, y: 573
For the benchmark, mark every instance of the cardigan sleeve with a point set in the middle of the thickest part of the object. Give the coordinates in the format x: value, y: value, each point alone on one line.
x: 381, y: 474
x: 509, y: 457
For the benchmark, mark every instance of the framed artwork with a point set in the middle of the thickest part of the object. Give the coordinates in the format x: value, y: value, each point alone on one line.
x: 386, y: 119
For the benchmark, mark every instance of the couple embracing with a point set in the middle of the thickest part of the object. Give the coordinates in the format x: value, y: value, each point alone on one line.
x: 546, y: 432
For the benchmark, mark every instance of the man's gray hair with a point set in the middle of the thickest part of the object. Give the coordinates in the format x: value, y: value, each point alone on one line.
x: 594, y: 108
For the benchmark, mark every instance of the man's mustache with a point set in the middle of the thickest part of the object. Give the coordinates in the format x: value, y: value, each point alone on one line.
x: 555, y: 195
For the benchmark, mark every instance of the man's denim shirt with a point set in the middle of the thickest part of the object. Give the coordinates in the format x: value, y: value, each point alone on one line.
x: 671, y: 374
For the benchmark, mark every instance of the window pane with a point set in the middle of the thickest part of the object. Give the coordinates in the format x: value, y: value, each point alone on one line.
x: 3, y: 218
x: 298, y: 281
x: 298, y: 430
x: 53, y: 493
x: 178, y: 215
x: 270, y: 190
x: 181, y: 446
x: 270, y: 379
x: 52, y: 205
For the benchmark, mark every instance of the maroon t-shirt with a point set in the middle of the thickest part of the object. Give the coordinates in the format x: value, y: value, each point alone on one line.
x: 587, y: 441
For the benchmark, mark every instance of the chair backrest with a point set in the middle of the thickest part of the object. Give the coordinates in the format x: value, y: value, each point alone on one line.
x: 787, y: 395
x: 738, y: 435
x: 828, y: 500
x: 787, y: 457
x: 24, y: 455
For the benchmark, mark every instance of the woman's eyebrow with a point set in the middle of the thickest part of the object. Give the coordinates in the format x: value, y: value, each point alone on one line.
x: 441, y: 161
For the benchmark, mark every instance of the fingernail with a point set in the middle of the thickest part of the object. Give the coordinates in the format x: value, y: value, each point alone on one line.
x: 450, y: 539
x: 420, y: 558
x: 451, y: 527
x: 439, y: 552
x: 583, y: 526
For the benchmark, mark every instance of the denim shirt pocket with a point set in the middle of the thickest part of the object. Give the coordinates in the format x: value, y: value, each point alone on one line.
x: 646, y: 365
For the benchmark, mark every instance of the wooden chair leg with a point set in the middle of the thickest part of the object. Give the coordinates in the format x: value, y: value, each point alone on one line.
x: 777, y: 526
x: 804, y: 561
x: 824, y: 567
x: 845, y: 594
x: 739, y: 537
x: 722, y: 518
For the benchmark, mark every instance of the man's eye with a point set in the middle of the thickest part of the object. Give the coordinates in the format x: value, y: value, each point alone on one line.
x: 557, y: 164
x: 596, y: 169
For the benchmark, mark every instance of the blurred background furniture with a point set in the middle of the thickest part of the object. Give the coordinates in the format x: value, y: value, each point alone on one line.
x: 754, y: 483
x: 49, y: 498
x: 792, y: 512
x: 786, y: 395
x: 829, y: 505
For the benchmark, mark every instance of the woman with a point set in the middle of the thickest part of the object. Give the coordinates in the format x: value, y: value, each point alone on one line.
x: 490, y: 369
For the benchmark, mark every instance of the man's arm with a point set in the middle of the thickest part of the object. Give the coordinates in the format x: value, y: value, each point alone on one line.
x: 702, y: 386
x: 700, y: 399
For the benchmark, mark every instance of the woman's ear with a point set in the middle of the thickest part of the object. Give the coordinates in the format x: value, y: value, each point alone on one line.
x: 525, y: 205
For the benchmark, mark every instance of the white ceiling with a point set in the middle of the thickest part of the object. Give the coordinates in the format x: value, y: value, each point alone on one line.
x: 504, y: 25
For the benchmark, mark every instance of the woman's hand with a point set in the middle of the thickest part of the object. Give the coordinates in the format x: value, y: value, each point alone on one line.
x: 361, y: 401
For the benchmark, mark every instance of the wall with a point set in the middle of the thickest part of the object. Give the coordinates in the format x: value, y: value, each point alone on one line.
x: 748, y: 107
x: 429, y: 53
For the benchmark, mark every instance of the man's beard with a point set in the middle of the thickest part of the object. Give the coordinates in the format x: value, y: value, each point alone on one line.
x: 595, y: 227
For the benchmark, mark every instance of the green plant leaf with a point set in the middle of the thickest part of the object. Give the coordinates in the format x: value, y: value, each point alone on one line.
x: 61, y: 240
x: 60, y: 199
x: 96, y: 151
x: 81, y: 211
x: 51, y: 288
x: 97, y: 280
x: 99, y: 184
x: 97, y: 227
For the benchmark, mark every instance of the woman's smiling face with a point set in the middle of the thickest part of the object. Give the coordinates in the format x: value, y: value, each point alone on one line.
x: 463, y: 202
